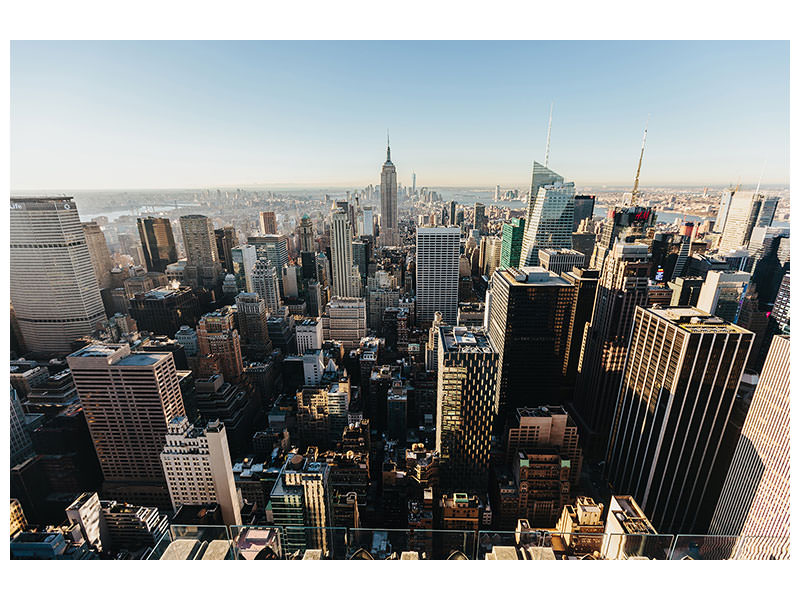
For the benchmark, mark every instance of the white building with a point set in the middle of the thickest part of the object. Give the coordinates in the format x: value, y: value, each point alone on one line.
x: 437, y: 261
x: 309, y: 334
x: 345, y: 321
x: 54, y: 290
x: 86, y: 512
x: 197, y: 465
x: 344, y: 282
x: 265, y: 284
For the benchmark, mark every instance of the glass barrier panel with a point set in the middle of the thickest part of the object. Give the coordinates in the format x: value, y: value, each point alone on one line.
x: 195, y: 542
x: 330, y: 541
x: 257, y: 543
x: 636, y: 546
x: 703, y: 547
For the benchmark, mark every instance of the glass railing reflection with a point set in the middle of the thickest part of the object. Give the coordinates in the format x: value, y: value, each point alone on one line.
x: 411, y: 544
x: 194, y: 542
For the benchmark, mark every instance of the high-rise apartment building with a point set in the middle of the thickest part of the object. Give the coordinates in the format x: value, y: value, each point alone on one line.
x: 754, y: 503
x: 128, y: 399
x: 251, y: 317
x: 438, y: 250
x: 197, y: 465
x: 98, y: 253
x: 622, y: 287
x: 54, y: 290
x: 528, y: 312
x: 512, y: 243
x: 389, y: 234
x: 264, y: 278
x: 268, y: 222
x: 672, y: 438
x: 200, y: 245
x: 274, y: 248
x: 489, y: 258
x: 217, y: 335
x: 346, y: 278
x: 243, y: 260
x: 467, y: 381
x: 158, y: 243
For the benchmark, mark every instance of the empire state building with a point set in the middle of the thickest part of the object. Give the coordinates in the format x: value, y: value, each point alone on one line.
x: 388, y: 232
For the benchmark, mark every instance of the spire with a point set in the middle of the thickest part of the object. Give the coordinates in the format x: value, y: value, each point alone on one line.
x: 549, y: 127
x: 635, y: 193
x: 388, y: 149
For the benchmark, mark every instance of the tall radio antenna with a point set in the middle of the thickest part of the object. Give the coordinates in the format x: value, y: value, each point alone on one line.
x: 635, y: 193
x: 547, y: 147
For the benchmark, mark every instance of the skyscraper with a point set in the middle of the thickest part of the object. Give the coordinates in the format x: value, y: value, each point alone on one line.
x: 265, y: 283
x: 550, y: 215
x: 389, y: 232
x: 512, y: 243
x: 200, y: 244
x: 251, y: 315
x: 226, y: 240
x: 467, y: 384
x: 274, y: 248
x: 217, y: 335
x: 584, y: 209
x: 158, y: 243
x: 672, y: 439
x: 98, y: 253
x: 346, y: 278
x: 306, y: 231
x: 754, y: 503
x: 479, y: 221
x: 529, y: 313
x: 438, y: 250
x: 622, y: 287
x: 747, y: 210
x: 243, y: 260
x: 268, y: 223
x: 53, y: 285
x: 622, y: 223
x: 197, y: 465
x: 128, y: 399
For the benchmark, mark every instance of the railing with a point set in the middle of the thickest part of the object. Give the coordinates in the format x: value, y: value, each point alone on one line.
x: 246, y: 542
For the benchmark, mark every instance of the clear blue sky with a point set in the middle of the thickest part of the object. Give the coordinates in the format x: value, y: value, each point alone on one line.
x: 95, y: 115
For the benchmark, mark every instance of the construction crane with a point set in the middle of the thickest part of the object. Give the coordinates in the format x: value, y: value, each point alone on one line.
x: 635, y: 193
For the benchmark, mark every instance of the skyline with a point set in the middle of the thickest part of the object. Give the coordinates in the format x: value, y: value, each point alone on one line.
x: 178, y: 115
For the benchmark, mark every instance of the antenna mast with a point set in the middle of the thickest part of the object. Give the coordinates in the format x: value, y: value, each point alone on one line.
x: 635, y: 193
x: 547, y: 147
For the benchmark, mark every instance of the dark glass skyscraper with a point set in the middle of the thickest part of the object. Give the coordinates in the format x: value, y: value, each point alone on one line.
x: 158, y: 243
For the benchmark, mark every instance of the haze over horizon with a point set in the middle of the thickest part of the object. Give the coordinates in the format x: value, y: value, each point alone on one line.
x: 192, y: 115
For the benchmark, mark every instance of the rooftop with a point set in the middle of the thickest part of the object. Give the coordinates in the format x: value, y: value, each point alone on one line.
x: 694, y: 320
x: 466, y: 340
x: 531, y: 276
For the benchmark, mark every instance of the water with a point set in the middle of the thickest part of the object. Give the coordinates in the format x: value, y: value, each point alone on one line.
x: 113, y: 215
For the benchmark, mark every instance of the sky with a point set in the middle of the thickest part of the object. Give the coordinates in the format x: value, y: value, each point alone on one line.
x: 133, y: 115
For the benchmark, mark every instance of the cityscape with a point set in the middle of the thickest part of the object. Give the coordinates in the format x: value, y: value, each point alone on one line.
x: 394, y: 370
